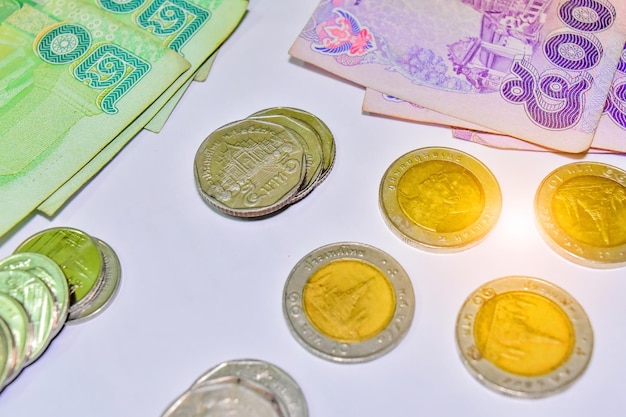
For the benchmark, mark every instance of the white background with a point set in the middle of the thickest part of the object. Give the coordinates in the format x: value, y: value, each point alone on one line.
x: 199, y: 288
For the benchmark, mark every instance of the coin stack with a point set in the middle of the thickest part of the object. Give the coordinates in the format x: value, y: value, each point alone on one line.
x: 524, y: 337
x: 56, y: 276
x: 348, y: 302
x: 244, y: 387
x: 259, y: 165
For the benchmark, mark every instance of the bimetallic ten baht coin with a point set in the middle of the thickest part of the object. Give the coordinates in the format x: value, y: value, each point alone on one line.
x: 348, y: 302
x: 270, y: 376
x: 440, y: 199
x: 77, y: 254
x: 249, y: 168
x: 524, y: 337
x: 229, y: 397
x: 107, y: 288
x: 51, y: 274
x: 580, y: 210
x: 38, y: 302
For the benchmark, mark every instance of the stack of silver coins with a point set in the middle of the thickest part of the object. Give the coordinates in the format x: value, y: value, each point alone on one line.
x: 259, y: 165
x: 245, y: 387
x: 56, y: 276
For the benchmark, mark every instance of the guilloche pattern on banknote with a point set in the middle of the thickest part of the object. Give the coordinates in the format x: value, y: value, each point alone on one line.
x: 544, y: 66
x: 72, y: 79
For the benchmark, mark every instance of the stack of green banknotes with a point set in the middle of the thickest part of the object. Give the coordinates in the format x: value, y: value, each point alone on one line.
x: 80, y: 78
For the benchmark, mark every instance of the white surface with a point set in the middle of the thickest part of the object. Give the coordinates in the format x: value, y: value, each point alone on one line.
x: 199, y: 288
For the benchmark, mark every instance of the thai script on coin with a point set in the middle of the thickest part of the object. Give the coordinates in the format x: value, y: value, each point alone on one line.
x: 440, y: 199
x: 580, y: 210
x: 259, y: 165
x: 242, y: 387
x: 348, y: 302
x: 524, y: 337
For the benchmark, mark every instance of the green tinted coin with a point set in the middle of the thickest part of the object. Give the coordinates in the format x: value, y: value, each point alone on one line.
x: 326, y: 136
x: 7, y: 353
x: 78, y: 256
x: 14, y: 314
x: 107, y: 289
x: 38, y: 302
x: 312, y: 145
x: 51, y: 274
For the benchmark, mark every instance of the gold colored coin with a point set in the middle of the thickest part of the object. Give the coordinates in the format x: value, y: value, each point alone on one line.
x: 524, y: 337
x: 440, y: 199
x: 581, y: 213
x: 348, y: 302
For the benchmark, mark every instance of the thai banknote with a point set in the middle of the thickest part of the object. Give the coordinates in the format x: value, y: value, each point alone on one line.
x: 192, y: 28
x: 544, y: 67
x: 72, y: 79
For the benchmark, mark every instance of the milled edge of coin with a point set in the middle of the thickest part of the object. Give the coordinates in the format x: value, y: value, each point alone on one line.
x: 77, y: 305
x: 51, y: 274
x: 249, y: 212
x: 228, y: 382
x: 312, y: 145
x: 509, y: 384
x: 21, y: 330
x: 322, y: 346
x: 419, y: 237
x: 326, y: 135
x: 107, y: 288
x: 269, y: 375
x: 559, y: 239
x: 9, y: 349
x: 42, y: 324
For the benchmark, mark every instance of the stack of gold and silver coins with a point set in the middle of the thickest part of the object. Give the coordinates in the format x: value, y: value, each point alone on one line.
x: 245, y: 387
x: 56, y: 276
x: 259, y: 165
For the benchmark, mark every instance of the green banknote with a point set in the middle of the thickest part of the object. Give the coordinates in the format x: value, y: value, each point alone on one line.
x: 71, y: 79
x: 193, y: 28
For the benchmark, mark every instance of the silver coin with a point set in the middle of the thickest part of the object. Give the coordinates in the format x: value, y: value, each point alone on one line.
x: 16, y: 317
x: 266, y: 374
x: 7, y: 353
x: 226, y: 397
x: 348, y: 302
x: 524, y: 337
x: 107, y: 286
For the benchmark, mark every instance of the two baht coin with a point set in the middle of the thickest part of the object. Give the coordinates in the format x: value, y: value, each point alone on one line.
x: 245, y: 387
x: 524, y: 337
x: 440, y: 199
x: 348, y: 302
x: 580, y: 210
x: 259, y: 165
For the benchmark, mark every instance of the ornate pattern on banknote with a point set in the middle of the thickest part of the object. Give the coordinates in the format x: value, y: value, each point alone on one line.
x: 502, y: 47
x: 615, y: 106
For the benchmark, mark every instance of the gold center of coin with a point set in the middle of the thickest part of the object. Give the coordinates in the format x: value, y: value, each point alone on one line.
x: 349, y: 300
x: 523, y: 333
x: 592, y: 210
x: 441, y: 196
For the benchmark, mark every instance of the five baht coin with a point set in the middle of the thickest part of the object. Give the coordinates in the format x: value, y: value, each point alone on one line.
x: 580, y: 210
x: 16, y: 318
x: 348, y: 302
x: 7, y: 353
x: 249, y: 168
x: 440, y: 199
x: 524, y: 337
x: 270, y: 376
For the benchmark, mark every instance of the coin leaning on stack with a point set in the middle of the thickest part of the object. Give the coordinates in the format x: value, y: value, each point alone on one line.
x: 44, y: 285
x: 244, y: 387
x: 259, y: 165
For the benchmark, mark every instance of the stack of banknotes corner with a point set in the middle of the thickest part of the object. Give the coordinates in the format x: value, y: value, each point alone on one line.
x: 542, y: 75
x: 80, y: 78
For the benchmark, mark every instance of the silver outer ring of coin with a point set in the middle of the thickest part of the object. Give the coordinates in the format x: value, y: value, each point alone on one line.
x: 510, y: 384
x: 332, y: 350
x: 256, y: 212
x: 318, y: 126
x: 268, y: 375
x: 21, y: 260
x: 187, y: 399
x: 8, y: 366
x: 107, y: 286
